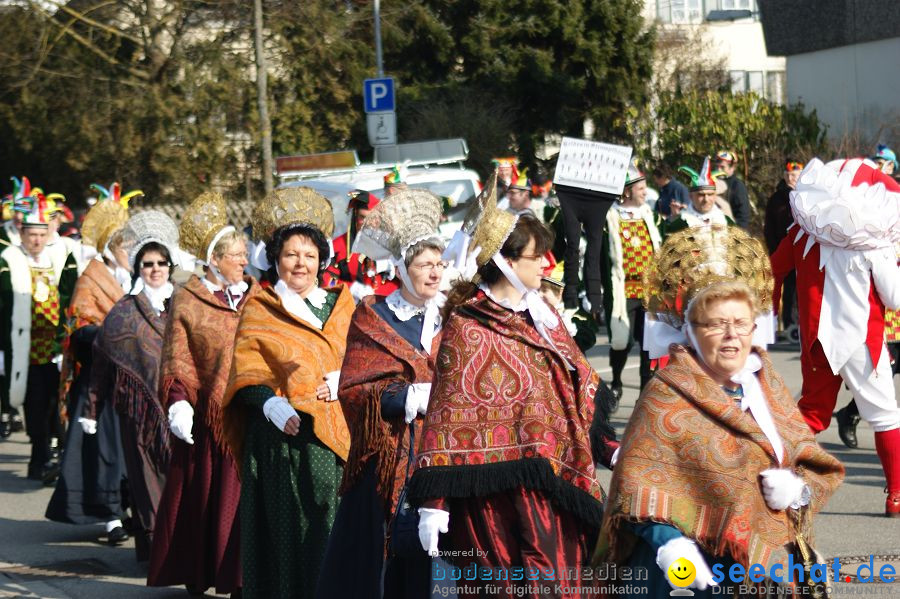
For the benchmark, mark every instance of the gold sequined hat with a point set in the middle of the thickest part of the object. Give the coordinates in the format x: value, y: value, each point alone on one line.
x: 292, y: 205
x: 490, y: 226
x: 102, y: 222
x: 202, y: 224
x: 692, y: 259
x: 397, y: 222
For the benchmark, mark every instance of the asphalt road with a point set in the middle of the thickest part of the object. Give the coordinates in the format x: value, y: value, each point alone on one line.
x: 39, y: 558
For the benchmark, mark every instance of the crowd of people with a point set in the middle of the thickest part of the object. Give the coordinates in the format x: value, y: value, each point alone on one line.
x: 290, y: 413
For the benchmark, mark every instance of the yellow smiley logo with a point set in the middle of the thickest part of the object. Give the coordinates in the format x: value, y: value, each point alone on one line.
x: 682, y: 572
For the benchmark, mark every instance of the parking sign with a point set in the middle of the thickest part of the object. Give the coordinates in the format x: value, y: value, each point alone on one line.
x: 378, y: 94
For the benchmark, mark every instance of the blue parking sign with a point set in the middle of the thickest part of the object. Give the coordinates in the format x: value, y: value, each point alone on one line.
x: 378, y: 94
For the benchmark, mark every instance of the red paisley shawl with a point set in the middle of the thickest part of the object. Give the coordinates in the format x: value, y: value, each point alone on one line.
x: 506, y: 412
x: 198, y: 347
x: 377, y: 357
x: 691, y: 458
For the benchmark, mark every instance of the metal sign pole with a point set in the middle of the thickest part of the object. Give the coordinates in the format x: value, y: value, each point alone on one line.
x: 379, y: 64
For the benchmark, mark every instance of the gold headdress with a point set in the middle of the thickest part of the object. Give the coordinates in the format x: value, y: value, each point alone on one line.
x: 102, y: 222
x: 397, y: 222
x: 202, y: 224
x: 692, y: 259
x: 290, y: 205
x: 490, y: 227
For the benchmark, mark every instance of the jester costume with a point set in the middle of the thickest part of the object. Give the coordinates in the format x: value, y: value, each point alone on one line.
x: 196, y: 541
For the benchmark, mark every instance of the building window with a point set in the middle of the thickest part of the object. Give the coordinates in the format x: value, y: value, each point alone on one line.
x: 769, y: 85
x: 734, y: 4
x: 680, y: 12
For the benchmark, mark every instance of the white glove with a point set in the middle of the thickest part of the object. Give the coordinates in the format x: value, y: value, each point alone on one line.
x: 614, y: 458
x: 783, y: 489
x: 88, y: 426
x: 471, y: 266
x: 58, y: 360
x: 331, y: 379
x: 181, y: 420
x: 385, y: 267
x: 360, y: 290
x: 278, y: 411
x: 432, y: 522
x: 684, y: 547
x: 417, y: 400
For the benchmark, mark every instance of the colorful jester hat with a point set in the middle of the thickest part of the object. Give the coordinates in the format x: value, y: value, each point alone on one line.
x: 114, y: 193
x: 17, y: 201
x: 37, y: 209
x: 521, y: 181
x: 397, y: 176
x: 703, y: 180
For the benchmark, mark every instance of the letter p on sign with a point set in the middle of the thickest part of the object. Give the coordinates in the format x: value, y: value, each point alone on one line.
x: 378, y: 95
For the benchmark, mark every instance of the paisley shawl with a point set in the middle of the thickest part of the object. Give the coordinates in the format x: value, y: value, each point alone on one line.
x: 506, y: 412
x: 198, y: 347
x: 274, y: 348
x: 378, y: 357
x: 127, y: 353
x: 691, y: 458
x: 95, y: 294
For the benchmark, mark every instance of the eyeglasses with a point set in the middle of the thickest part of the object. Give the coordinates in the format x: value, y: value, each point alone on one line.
x: 742, y: 328
x: 237, y: 256
x: 151, y: 263
x: 531, y: 257
x: 430, y: 266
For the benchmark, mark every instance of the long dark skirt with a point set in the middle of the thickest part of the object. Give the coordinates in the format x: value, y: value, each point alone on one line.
x: 146, y: 480
x: 196, y: 542
x: 89, y: 486
x: 288, y: 504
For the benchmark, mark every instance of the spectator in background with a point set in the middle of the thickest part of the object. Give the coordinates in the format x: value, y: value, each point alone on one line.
x: 778, y: 219
x: 671, y: 191
x: 737, y: 190
x: 886, y: 160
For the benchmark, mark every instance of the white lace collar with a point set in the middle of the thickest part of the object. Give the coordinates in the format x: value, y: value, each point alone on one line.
x: 42, y: 261
x: 297, y: 306
x: 714, y: 217
x: 520, y: 307
x: 404, y: 310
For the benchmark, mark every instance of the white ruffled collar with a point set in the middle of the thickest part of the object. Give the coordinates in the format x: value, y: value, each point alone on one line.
x: 714, y: 217
x: 630, y: 212
x: 298, y: 307
x: 42, y: 261
x: 520, y: 307
x: 157, y: 297
x: 834, y: 212
x: 233, y: 293
x: 405, y: 310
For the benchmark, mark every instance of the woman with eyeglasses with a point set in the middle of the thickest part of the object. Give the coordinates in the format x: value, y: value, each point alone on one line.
x: 384, y: 390
x: 717, y: 466
x: 125, y: 371
x: 504, y: 475
x: 197, y: 542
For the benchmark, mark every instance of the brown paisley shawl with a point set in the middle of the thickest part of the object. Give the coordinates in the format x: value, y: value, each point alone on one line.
x: 127, y: 353
x: 506, y: 412
x: 95, y: 294
x: 274, y: 348
x: 377, y: 357
x: 691, y: 458
x: 198, y: 348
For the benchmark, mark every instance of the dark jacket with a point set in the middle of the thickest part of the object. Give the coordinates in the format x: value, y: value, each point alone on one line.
x: 739, y: 200
x: 778, y: 216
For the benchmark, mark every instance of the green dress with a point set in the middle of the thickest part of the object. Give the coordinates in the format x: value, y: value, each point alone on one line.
x: 289, y: 498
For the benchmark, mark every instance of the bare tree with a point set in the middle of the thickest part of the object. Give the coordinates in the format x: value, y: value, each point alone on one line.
x: 265, y: 124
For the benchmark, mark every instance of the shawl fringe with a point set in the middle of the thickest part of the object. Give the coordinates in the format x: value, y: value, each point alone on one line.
x: 134, y: 402
x: 535, y: 474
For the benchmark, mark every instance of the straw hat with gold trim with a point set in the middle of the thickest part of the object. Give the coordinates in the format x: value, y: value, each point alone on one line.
x: 292, y: 205
x: 204, y: 222
x: 695, y: 258
x: 490, y: 226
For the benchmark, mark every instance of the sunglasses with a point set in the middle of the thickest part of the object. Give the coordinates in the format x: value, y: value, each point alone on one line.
x: 151, y: 263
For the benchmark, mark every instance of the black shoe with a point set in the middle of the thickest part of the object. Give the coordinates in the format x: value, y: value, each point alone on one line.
x: 5, y: 426
x: 116, y: 536
x: 50, y: 473
x: 616, y: 389
x: 16, y: 423
x: 847, y: 427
